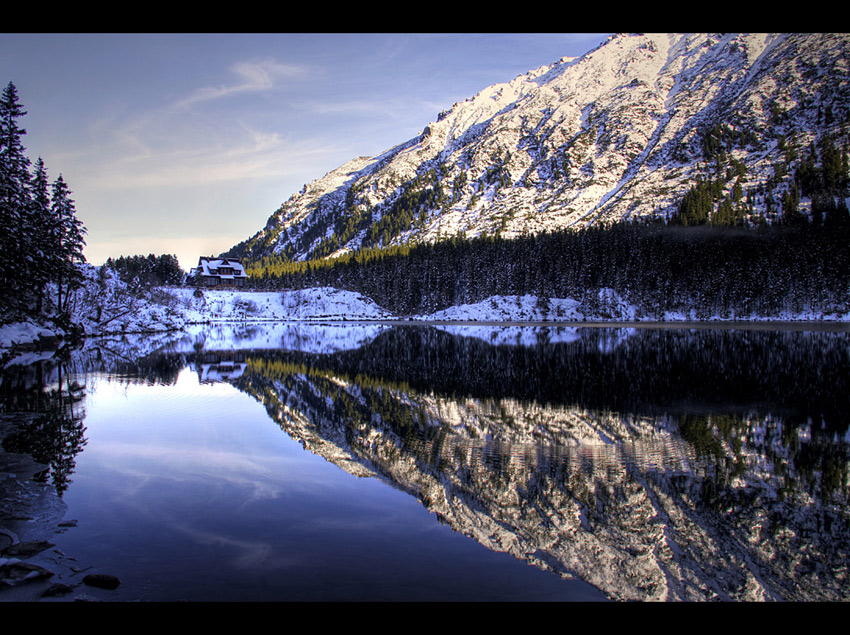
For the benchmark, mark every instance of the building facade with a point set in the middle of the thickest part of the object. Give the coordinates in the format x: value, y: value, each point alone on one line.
x: 221, y: 273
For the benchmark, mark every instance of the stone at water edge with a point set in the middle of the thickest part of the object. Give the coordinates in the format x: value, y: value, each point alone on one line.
x: 27, y: 549
x: 17, y: 573
x: 56, y: 589
x: 102, y: 581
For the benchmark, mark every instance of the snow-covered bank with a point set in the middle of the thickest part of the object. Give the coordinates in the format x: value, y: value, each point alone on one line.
x: 335, y: 305
x: 605, y: 305
x: 330, y: 304
x: 322, y: 303
x: 24, y: 334
x: 105, y: 306
x: 26, y: 341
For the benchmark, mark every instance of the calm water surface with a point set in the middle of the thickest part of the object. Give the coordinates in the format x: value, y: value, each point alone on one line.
x: 377, y: 462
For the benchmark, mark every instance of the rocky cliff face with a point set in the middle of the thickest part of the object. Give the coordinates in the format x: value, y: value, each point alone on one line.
x: 621, y: 132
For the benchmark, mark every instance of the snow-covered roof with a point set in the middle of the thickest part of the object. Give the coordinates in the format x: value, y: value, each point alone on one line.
x: 225, y: 371
x: 208, y: 266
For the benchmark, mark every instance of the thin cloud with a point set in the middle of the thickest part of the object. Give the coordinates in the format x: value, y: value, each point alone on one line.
x: 252, y: 77
x: 258, y: 155
x: 170, y: 146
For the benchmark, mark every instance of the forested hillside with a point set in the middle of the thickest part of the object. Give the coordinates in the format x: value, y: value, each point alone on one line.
x: 664, y: 170
x: 726, y: 128
x: 698, y: 271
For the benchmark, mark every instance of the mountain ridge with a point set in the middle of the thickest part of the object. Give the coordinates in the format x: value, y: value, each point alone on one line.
x: 622, y: 132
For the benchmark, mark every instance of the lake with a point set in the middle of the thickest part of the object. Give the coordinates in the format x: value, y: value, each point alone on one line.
x: 381, y: 462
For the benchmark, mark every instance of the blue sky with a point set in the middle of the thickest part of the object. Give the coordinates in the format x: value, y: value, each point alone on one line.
x: 186, y: 143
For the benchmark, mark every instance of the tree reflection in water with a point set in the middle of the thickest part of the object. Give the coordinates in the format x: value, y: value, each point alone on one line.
x: 54, y: 434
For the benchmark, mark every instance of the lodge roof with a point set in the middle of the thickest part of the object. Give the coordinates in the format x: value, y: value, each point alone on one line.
x: 209, y: 266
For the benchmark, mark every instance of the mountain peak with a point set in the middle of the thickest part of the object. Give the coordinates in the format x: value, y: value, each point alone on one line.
x: 622, y: 132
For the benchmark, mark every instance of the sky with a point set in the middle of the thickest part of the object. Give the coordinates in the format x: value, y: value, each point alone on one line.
x: 185, y: 144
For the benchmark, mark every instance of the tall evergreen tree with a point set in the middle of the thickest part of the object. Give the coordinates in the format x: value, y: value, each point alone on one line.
x: 42, y: 239
x: 14, y: 193
x: 14, y: 165
x: 70, y: 241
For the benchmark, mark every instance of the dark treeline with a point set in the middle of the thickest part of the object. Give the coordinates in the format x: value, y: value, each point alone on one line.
x: 660, y: 267
x: 41, y: 239
x: 147, y: 270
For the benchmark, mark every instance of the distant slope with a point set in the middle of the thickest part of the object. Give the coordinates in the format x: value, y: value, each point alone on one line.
x: 624, y: 131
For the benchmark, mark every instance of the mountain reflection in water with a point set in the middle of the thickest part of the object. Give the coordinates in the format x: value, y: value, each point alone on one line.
x: 655, y: 464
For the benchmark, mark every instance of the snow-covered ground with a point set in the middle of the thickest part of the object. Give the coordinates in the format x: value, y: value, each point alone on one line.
x: 105, y: 306
x: 326, y: 304
x: 604, y: 305
x: 510, y: 309
x: 322, y: 303
x: 23, y: 333
x: 329, y: 304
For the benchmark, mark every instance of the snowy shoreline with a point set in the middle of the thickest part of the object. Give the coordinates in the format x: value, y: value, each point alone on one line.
x: 178, y: 308
x: 755, y: 324
x: 335, y: 305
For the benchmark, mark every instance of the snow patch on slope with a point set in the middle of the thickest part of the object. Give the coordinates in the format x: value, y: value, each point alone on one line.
x: 502, y: 308
x: 604, y: 304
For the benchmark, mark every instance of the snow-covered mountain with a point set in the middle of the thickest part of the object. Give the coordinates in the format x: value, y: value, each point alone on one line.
x: 621, y: 132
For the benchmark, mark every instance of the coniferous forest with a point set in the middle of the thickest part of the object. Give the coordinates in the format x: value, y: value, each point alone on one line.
x: 42, y: 240
x: 146, y: 271
x: 703, y: 271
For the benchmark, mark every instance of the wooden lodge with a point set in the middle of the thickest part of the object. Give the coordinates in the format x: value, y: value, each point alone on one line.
x: 219, y: 273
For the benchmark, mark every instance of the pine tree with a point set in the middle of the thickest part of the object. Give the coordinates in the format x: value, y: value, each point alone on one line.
x: 14, y: 196
x: 14, y: 165
x: 43, y: 234
x: 40, y: 236
x: 791, y: 206
x: 70, y: 241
